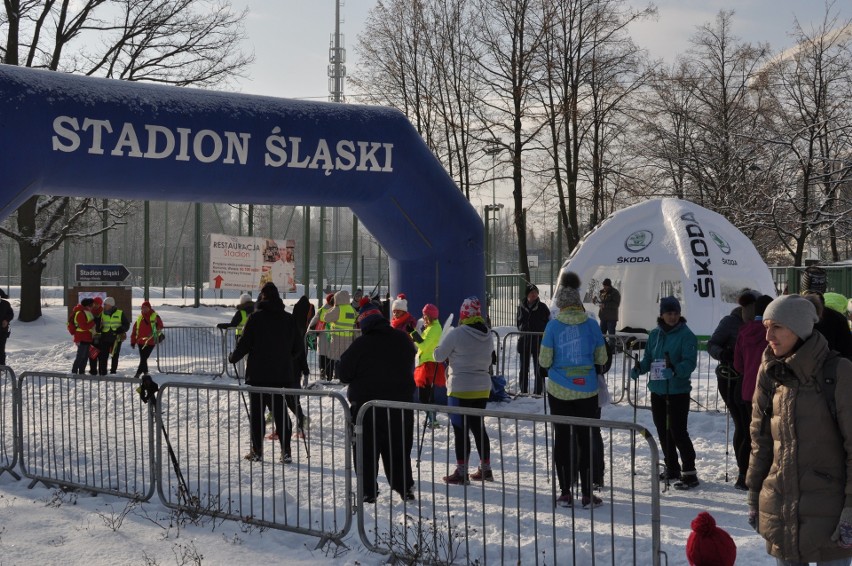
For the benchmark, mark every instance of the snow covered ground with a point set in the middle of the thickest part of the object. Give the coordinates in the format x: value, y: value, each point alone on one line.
x: 45, y: 526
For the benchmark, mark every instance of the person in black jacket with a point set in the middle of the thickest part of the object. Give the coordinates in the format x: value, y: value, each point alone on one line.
x: 303, y: 312
x: 6, y: 316
x: 832, y: 325
x: 270, y: 341
x: 532, y: 316
x: 729, y: 382
x: 379, y: 365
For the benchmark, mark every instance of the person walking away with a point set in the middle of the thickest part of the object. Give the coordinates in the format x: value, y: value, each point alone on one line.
x: 532, y: 316
x: 801, y: 435
x: 468, y: 348
x: 94, y: 354
x: 114, y: 325
x: 238, y: 321
x: 722, y: 347
x: 671, y: 355
x: 302, y: 314
x: 378, y: 366
x: 84, y: 328
x: 319, y: 324
x: 147, y: 333
x: 748, y: 354
x: 608, y: 301
x: 270, y: 341
x: 572, y: 346
x: 341, y: 321
x: 429, y: 375
x: 7, y: 314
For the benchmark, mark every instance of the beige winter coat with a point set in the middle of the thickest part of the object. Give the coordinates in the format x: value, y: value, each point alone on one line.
x: 801, y: 460
x: 341, y: 321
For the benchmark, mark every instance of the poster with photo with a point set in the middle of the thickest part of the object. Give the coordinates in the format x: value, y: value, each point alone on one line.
x: 243, y: 263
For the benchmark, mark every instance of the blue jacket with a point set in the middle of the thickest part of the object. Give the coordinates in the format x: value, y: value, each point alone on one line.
x: 682, y: 347
x: 570, y: 350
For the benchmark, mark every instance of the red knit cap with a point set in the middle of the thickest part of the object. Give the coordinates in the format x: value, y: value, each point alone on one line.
x: 708, y: 545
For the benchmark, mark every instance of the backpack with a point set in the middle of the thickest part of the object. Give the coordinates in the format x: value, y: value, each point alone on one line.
x: 72, y: 326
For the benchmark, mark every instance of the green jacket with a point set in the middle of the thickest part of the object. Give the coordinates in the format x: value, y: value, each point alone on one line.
x: 682, y: 347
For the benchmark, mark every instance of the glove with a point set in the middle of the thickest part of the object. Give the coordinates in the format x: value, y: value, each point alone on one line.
x: 634, y: 373
x: 727, y: 357
x: 222, y: 325
x: 122, y: 337
x: 668, y: 374
x: 231, y: 359
x: 416, y: 337
x: 132, y: 346
x: 753, y: 498
x: 843, y: 533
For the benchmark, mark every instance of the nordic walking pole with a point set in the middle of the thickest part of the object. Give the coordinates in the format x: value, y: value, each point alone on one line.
x: 237, y: 371
x: 148, y: 392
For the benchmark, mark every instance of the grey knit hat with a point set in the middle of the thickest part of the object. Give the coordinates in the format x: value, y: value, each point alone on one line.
x: 795, y: 312
x: 568, y: 294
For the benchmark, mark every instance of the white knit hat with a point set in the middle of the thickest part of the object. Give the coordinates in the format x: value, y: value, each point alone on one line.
x: 400, y: 304
x: 109, y: 302
x: 245, y: 298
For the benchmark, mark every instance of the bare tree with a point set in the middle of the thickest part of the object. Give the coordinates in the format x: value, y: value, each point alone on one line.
x: 177, y: 42
x: 811, y: 135
x: 511, y: 35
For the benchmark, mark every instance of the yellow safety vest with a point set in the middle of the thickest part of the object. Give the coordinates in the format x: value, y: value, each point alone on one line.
x: 89, y: 318
x: 241, y: 324
x: 345, y: 321
x: 111, y: 322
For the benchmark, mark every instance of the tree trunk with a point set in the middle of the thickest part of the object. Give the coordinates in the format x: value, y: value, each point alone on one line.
x: 31, y: 270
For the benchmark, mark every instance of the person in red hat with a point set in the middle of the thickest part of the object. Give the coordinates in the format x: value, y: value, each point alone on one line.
x: 708, y: 545
x: 147, y: 333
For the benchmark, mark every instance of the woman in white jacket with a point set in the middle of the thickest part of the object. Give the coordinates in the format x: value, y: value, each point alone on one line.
x: 469, y: 349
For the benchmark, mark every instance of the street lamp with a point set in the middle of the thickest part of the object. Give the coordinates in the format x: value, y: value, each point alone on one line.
x: 492, y: 243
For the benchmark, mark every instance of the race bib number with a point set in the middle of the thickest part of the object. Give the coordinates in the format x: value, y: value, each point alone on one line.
x: 657, y: 367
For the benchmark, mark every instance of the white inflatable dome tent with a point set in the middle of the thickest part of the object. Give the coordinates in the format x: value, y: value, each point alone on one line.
x: 668, y: 247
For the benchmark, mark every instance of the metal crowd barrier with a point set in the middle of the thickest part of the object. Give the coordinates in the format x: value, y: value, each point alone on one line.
x: 208, y: 429
x: 196, y: 350
x: 705, y: 395
x: 513, y: 519
x: 312, y: 343
x: 8, y: 422
x: 229, y: 337
x: 86, y: 432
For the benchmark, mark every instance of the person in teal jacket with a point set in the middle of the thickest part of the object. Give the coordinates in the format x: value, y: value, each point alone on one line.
x: 671, y: 355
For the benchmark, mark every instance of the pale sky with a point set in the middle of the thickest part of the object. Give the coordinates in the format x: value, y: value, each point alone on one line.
x: 291, y: 38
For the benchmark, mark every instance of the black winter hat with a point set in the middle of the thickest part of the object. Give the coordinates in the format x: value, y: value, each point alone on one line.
x: 270, y: 292
x: 530, y: 289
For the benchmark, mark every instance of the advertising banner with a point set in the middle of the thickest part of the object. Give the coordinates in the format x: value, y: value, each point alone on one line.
x: 243, y: 263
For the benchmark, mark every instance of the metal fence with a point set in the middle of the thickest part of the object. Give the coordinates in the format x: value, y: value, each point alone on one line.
x: 208, y: 429
x: 503, y: 294
x: 85, y: 432
x: 8, y: 422
x: 470, y: 523
x: 196, y: 350
x: 838, y: 279
x: 704, y: 395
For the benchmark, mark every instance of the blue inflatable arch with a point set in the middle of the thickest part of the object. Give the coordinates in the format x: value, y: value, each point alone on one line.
x: 78, y: 136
